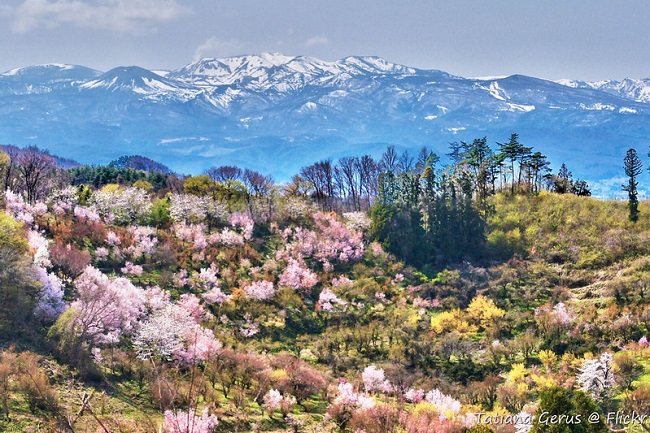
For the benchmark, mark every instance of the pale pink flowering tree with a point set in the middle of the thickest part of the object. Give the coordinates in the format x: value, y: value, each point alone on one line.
x: 101, y: 254
x: 39, y: 208
x: 173, y: 333
x: 375, y: 380
x: 413, y: 395
x: 205, y: 279
x: 272, y: 400
x: 60, y: 208
x: 327, y: 300
x: 643, y: 341
x: 199, y: 346
x: 200, y: 243
x: 192, y: 305
x: 96, y: 354
x: 376, y: 249
x: 260, y: 290
x: 180, y: 278
x: 287, y: 404
x: 215, y: 296
x: 336, y: 241
x: 348, y: 397
x: 296, y: 208
x: 230, y: 238
x: 106, y: 307
x: 22, y: 211
x: 298, y: 243
x: 186, y: 232
x: 192, y: 209
x: 86, y: 214
x: 156, y: 299
x: 341, y: 281
x: 561, y: 315
x: 112, y: 239
x: 39, y: 248
x: 145, y: 239
x: 444, y: 404
x: 331, y: 241
x: 63, y: 200
x: 188, y: 422
x: 131, y: 269
x: 248, y: 328
x: 49, y: 301
x: 244, y: 222
x: 422, y: 303
x: 193, y: 233
x: 297, y: 276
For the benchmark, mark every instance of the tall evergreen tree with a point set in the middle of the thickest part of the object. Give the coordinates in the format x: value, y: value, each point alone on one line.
x: 477, y: 157
x: 513, y: 151
x: 632, y: 165
x: 537, y: 166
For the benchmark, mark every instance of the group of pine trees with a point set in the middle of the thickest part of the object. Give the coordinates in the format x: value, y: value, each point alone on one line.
x: 427, y: 215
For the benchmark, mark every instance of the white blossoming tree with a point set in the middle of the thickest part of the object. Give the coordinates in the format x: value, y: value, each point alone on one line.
x: 596, y: 377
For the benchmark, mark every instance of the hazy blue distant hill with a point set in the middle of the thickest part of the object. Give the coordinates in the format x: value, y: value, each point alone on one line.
x: 276, y: 113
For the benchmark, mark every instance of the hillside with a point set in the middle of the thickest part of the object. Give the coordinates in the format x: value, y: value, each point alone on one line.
x: 202, y: 305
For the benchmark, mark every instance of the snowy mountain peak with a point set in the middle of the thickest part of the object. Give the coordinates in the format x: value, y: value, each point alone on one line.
x: 629, y: 88
x: 281, y: 73
x: 45, y: 78
x: 133, y: 78
x: 44, y: 68
x: 377, y: 65
x: 275, y: 59
x: 49, y: 72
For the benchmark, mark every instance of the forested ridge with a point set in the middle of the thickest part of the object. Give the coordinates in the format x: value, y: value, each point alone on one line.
x: 470, y: 292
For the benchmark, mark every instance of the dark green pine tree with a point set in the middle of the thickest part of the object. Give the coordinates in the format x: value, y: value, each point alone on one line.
x: 513, y: 151
x: 632, y: 165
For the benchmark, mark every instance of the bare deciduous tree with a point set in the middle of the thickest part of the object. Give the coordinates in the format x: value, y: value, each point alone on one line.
x: 35, y: 166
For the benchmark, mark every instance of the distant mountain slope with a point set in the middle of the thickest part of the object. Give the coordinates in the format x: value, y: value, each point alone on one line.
x: 276, y: 113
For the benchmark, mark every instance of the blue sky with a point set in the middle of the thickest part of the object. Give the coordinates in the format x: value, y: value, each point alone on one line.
x: 575, y: 39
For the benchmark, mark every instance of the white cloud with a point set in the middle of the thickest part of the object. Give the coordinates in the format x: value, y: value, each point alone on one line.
x: 215, y: 47
x: 317, y: 40
x: 119, y: 15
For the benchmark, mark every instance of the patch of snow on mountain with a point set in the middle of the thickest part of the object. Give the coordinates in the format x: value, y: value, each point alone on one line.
x: 497, y: 92
x: 597, y: 107
x: 569, y: 83
x: 520, y: 107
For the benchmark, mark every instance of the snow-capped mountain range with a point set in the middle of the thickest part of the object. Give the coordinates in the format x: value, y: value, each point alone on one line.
x: 276, y: 113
